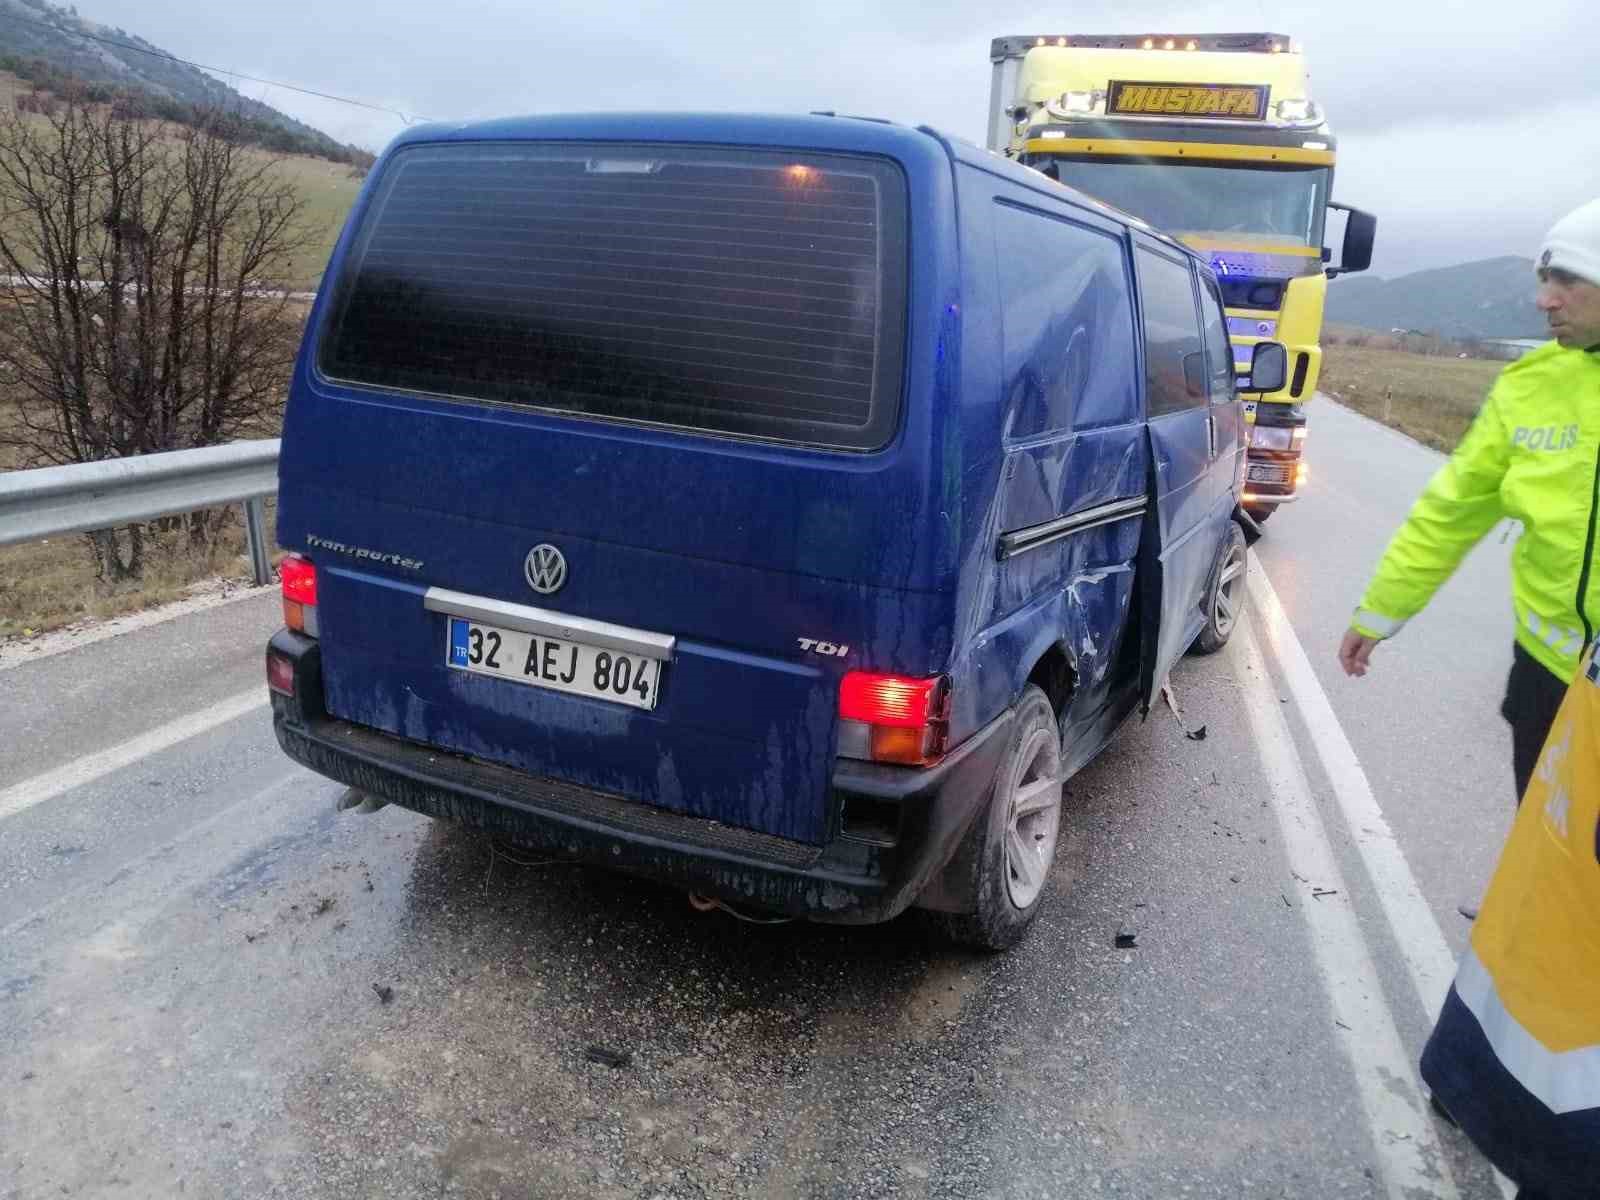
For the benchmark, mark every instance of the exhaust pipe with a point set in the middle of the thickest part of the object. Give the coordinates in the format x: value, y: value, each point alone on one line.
x: 358, y: 800
x: 702, y: 903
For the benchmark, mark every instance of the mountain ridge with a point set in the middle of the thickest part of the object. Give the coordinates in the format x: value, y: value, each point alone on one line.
x: 52, y: 45
x: 1485, y: 298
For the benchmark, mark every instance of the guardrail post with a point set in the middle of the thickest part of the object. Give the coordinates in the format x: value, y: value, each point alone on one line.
x: 255, y: 533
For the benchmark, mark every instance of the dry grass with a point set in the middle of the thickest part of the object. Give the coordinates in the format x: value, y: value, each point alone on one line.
x: 328, y: 189
x: 1432, y: 399
x: 46, y: 585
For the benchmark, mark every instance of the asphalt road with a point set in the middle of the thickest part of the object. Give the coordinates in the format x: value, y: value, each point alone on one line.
x: 192, y: 946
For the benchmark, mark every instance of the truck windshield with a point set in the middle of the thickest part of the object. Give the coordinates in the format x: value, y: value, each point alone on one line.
x: 1285, y: 203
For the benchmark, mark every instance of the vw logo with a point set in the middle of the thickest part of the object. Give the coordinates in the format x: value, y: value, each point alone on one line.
x: 545, y: 569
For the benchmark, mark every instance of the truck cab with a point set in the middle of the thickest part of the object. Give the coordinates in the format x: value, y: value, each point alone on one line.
x: 1216, y: 139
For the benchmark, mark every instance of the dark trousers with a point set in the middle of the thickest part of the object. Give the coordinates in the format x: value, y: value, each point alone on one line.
x: 1533, y: 696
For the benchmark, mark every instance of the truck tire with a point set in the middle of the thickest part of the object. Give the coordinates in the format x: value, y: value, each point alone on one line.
x: 1011, y: 846
x: 1225, y: 598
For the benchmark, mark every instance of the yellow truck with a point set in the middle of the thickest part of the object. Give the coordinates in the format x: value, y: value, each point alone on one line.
x: 1216, y: 139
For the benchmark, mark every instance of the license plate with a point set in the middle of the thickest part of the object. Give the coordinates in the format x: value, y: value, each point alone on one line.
x: 553, y: 663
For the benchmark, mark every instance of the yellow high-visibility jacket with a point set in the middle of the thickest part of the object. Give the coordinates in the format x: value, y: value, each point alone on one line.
x: 1515, y: 1056
x: 1532, y: 454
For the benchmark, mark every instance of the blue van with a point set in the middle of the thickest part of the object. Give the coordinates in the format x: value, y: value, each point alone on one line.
x: 779, y: 508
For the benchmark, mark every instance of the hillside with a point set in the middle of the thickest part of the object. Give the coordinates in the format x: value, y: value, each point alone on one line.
x: 328, y: 188
x: 1489, y: 298
x: 49, y: 45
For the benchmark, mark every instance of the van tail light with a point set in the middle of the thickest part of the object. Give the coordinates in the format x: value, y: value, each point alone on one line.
x: 893, y: 719
x: 299, y: 579
x: 280, y: 673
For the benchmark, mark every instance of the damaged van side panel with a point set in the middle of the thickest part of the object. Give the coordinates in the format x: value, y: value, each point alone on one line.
x: 1052, y: 348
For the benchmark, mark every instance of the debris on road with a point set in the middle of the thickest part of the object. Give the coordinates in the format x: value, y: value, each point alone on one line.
x: 1127, y: 939
x: 1198, y: 734
x: 384, y: 992
x: 1319, y: 893
x: 607, y: 1057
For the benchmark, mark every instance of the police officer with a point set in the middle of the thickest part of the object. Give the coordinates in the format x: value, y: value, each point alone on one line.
x: 1532, y: 454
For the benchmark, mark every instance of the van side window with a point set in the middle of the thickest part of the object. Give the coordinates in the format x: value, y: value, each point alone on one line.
x: 1219, y: 352
x: 1175, y: 371
x: 730, y: 291
x: 1068, y: 315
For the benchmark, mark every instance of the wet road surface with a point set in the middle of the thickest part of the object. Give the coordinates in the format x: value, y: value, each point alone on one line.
x: 212, y: 985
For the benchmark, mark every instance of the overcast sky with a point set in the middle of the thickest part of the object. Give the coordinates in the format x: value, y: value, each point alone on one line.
x: 1468, y: 127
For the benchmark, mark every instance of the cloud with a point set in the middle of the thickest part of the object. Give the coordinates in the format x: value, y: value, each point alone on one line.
x: 1464, y: 126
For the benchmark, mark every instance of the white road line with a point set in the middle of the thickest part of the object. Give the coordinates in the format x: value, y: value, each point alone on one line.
x: 1427, y: 955
x: 1409, y: 1157
x: 22, y: 796
x: 1421, y: 942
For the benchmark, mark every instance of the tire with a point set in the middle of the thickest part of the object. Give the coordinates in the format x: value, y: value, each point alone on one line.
x: 1225, y: 598
x: 1011, y: 846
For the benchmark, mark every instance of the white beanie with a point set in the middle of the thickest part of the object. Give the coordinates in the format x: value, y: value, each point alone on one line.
x: 1573, y: 243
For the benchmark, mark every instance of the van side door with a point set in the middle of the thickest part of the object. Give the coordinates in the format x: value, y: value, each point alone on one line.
x: 1180, y: 543
x: 1227, y: 412
x: 1074, y: 484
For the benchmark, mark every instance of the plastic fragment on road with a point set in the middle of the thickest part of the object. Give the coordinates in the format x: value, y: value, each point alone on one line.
x: 607, y: 1057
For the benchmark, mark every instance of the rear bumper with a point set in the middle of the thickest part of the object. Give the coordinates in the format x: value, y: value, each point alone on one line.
x: 847, y: 879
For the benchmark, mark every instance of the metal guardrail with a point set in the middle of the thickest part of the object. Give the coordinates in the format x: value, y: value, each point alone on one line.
x: 120, y: 491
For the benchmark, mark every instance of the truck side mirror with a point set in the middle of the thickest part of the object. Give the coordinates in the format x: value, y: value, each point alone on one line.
x: 1360, y: 232
x: 1269, y: 368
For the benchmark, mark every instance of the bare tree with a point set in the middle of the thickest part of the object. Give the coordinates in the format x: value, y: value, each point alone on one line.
x: 147, y: 304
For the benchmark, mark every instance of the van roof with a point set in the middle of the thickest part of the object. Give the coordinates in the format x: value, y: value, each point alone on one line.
x: 814, y: 131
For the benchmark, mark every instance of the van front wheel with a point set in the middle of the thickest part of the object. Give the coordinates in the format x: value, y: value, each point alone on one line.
x: 1225, y: 597
x: 1012, y: 844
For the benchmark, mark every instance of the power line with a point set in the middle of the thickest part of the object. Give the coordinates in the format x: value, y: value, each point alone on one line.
x: 407, y: 119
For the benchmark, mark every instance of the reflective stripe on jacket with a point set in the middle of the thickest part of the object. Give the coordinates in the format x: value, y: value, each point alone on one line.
x: 1532, y: 454
x: 1515, y: 1056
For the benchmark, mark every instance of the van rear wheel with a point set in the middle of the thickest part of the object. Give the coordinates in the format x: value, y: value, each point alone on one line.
x: 1225, y: 597
x: 1012, y: 844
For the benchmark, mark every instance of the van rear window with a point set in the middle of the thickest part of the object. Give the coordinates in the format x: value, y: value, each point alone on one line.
x: 734, y: 292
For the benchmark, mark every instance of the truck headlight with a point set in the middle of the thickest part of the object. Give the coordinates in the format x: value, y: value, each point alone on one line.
x: 1271, y: 437
x: 1074, y: 103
